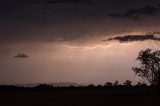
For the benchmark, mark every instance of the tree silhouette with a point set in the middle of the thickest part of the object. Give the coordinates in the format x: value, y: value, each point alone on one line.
x: 128, y: 83
x: 116, y: 83
x: 141, y: 84
x: 149, y: 66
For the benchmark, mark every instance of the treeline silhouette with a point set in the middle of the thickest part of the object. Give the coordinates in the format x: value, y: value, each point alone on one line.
x: 127, y: 85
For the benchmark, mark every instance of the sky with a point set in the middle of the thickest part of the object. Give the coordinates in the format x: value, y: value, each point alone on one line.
x: 81, y: 41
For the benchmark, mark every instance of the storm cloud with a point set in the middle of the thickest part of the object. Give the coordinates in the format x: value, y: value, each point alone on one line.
x: 137, y: 13
x: 131, y: 38
x: 64, y: 20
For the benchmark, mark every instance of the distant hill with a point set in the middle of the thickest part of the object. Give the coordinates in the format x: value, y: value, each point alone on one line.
x: 61, y: 84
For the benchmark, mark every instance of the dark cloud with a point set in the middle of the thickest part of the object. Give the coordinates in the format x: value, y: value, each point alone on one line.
x: 138, y: 12
x: 21, y: 55
x: 99, y: 6
x: 131, y: 38
x: 62, y: 20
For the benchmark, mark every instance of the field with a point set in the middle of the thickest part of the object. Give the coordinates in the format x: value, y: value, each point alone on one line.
x: 80, y: 97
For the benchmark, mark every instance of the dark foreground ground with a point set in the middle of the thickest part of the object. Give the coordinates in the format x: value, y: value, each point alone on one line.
x: 80, y: 97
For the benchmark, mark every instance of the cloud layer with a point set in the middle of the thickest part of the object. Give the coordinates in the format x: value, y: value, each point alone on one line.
x: 131, y: 38
x: 68, y: 20
x: 138, y: 12
x: 70, y: 1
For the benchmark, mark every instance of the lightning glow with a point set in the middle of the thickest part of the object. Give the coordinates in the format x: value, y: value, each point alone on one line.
x: 155, y: 45
x: 97, y: 46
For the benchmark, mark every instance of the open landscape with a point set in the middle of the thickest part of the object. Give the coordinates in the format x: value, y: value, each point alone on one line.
x: 79, y: 52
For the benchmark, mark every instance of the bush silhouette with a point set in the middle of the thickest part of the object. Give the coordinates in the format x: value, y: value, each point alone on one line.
x: 108, y: 84
x: 44, y: 87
